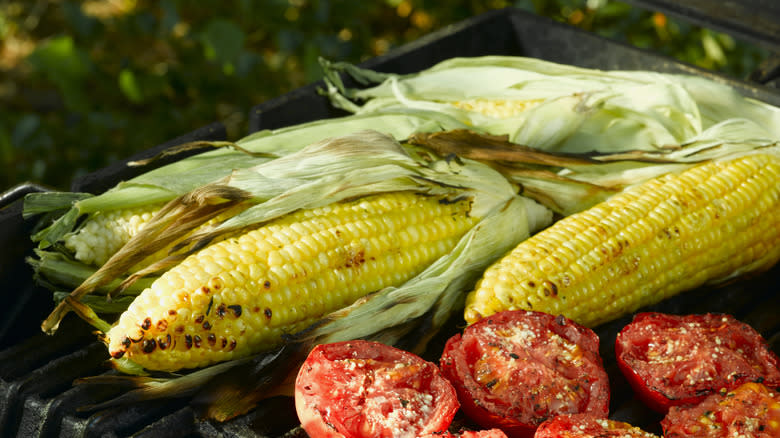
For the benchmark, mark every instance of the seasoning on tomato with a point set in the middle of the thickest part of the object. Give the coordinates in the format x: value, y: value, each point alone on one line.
x: 588, y: 426
x: 673, y: 360
x: 515, y: 369
x: 750, y: 410
x: 367, y: 389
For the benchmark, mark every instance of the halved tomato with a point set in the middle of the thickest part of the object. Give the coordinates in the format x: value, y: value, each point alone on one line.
x: 588, y: 426
x: 368, y: 389
x: 515, y: 369
x: 750, y: 410
x: 673, y: 360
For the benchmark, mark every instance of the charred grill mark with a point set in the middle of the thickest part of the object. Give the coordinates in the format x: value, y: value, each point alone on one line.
x: 188, y: 341
x: 236, y: 310
x: 148, y: 346
x: 267, y: 312
x: 355, y: 258
x: 162, y: 325
x: 199, y: 319
x: 196, y: 341
x: 206, y: 325
x: 550, y: 288
x: 212, y: 339
x: 164, y: 344
x: 146, y: 324
x: 221, y: 310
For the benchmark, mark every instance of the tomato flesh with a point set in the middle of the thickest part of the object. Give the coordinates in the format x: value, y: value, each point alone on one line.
x: 368, y: 389
x: 750, y: 410
x: 515, y: 369
x: 672, y: 360
x: 588, y: 426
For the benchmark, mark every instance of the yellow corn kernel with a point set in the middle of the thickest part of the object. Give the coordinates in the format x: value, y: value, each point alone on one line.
x: 103, y: 234
x: 652, y: 241
x: 239, y: 296
x: 498, y: 108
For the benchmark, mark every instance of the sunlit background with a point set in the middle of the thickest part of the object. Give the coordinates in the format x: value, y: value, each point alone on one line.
x: 86, y: 83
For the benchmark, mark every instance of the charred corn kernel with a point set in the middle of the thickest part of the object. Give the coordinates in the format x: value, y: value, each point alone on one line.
x: 652, y: 241
x: 103, y: 234
x: 498, y: 108
x: 240, y: 295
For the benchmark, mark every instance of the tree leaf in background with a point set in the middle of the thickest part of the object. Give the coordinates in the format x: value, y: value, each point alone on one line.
x: 129, y: 86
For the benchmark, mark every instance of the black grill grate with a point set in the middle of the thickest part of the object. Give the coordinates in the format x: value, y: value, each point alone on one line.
x: 37, y: 398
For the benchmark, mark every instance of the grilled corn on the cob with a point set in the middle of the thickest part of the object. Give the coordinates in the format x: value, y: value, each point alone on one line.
x: 673, y: 233
x: 241, y: 295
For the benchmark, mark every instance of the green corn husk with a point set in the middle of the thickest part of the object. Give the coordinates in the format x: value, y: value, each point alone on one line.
x: 571, y: 183
x: 55, y: 270
x: 167, y: 182
x: 575, y: 110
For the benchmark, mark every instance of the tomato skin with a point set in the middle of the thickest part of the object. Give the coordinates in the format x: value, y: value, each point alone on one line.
x: 512, y: 370
x: 588, y: 426
x: 367, y: 389
x: 750, y: 410
x: 672, y: 360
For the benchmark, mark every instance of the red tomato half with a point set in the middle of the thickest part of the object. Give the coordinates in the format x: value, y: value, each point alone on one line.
x: 515, y: 369
x: 588, y: 426
x: 750, y: 410
x: 368, y: 389
x: 675, y: 360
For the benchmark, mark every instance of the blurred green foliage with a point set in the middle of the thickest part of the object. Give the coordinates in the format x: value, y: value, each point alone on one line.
x: 85, y: 83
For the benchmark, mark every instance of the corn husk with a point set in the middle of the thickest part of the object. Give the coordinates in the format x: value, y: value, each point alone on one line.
x: 178, y: 178
x: 573, y: 110
x: 571, y: 183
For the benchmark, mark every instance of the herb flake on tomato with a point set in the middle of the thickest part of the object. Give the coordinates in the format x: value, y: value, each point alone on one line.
x: 515, y: 369
x: 673, y: 360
